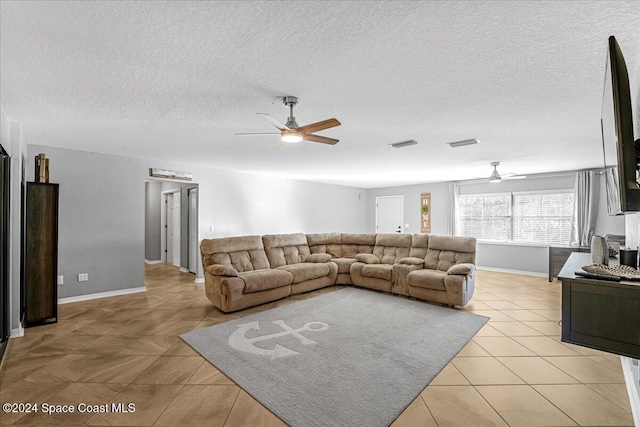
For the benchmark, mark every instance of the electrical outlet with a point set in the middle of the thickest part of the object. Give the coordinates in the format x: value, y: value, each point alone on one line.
x: 406, y: 225
x: 60, y: 280
x: 212, y: 228
x: 83, y: 277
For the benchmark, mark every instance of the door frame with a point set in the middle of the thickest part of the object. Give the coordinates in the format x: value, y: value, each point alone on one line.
x: 163, y: 222
x: 196, y: 254
x: 401, y: 210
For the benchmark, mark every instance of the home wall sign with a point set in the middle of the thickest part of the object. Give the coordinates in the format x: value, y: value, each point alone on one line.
x: 168, y: 174
x: 425, y: 213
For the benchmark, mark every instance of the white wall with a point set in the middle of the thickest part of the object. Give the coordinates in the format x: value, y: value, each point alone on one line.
x: 101, y: 221
x: 525, y: 258
x: 13, y: 141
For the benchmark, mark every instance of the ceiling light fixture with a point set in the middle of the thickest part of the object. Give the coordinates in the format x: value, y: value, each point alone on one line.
x: 495, y: 176
x: 404, y: 143
x: 463, y: 143
x: 291, y: 137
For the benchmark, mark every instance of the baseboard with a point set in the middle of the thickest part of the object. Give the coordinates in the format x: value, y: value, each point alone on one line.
x: 155, y: 261
x: 506, y: 270
x: 184, y: 270
x: 633, y: 385
x: 199, y: 280
x: 88, y: 297
x: 17, y: 333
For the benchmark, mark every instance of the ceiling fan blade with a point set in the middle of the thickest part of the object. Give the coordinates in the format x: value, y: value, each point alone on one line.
x: 514, y: 176
x: 318, y: 126
x: 257, y: 133
x: 322, y: 139
x: 274, y: 121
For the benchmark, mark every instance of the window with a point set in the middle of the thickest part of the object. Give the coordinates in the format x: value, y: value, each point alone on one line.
x: 527, y: 217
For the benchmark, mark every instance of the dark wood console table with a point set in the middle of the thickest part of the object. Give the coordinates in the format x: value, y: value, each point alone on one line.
x: 597, y: 313
x: 558, y: 256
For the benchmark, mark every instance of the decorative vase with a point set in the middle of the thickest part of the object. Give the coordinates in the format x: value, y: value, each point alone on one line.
x: 599, y: 250
x: 42, y: 169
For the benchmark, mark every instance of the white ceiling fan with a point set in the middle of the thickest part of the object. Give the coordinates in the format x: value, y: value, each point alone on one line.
x: 292, y: 132
x: 496, y: 177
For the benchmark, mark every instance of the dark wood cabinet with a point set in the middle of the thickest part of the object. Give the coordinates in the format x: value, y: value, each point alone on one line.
x: 600, y: 314
x: 558, y: 255
x: 41, y: 254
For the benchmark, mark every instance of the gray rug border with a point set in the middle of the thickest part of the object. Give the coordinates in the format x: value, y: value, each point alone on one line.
x: 431, y: 304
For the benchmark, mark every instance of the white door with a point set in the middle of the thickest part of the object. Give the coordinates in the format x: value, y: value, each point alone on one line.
x: 193, y: 230
x: 175, y: 228
x: 168, y: 205
x: 389, y: 214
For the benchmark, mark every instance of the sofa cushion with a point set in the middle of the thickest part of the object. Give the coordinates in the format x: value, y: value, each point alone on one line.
x: 419, y: 245
x: 285, y: 249
x: 354, y: 244
x: 390, y: 247
x: 325, y: 243
x: 319, y: 257
x: 428, y: 279
x: 368, y: 259
x: 262, y: 280
x: 344, y: 264
x: 244, y: 253
x: 461, y: 269
x: 378, y: 271
x: 445, y: 251
x: 306, y: 271
x: 221, y: 270
x: 411, y: 261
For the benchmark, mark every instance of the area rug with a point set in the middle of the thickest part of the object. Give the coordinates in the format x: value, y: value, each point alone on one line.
x: 347, y: 358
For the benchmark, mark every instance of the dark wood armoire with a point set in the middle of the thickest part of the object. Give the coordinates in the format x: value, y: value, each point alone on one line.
x: 41, y: 254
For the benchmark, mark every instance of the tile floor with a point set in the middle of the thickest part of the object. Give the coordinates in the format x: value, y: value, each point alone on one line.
x: 125, y: 349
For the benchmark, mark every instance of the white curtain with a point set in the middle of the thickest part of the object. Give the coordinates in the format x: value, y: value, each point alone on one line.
x: 585, y: 202
x: 452, y: 223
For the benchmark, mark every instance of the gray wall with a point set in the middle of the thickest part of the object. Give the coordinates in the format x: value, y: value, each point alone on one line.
x: 102, y: 213
x: 152, y: 206
x: 502, y: 256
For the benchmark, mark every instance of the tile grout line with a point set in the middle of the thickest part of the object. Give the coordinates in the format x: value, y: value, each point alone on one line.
x: 234, y: 404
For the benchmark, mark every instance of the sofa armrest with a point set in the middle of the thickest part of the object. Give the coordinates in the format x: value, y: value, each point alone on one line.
x: 319, y: 258
x: 462, y: 269
x: 411, y: 261
x: 221, y: 270
x: 368, y: 258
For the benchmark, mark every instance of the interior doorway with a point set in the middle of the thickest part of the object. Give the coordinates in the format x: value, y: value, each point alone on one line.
x: 192, y: 197
x: 171, y: 225
x: 389, y: 214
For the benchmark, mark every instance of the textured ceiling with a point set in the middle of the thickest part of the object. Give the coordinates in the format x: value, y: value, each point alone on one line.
x: 176, y: 80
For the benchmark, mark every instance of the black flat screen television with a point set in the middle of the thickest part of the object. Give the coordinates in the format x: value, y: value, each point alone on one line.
x: 621, y: 153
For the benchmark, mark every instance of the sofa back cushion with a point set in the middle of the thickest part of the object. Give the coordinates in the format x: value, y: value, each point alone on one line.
x: 286, y: 249
x: 419, y: 245
x: 244, y: 253
x: 445, y: 251
x: 354, y: 244
x: 391, y: 247
x: 325, y: 243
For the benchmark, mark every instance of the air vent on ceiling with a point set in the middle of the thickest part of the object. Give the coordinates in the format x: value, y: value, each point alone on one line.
x: 404, y: 143
x: 463, y: 143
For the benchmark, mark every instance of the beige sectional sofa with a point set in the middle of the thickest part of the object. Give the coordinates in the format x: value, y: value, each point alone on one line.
x: 245, y: 271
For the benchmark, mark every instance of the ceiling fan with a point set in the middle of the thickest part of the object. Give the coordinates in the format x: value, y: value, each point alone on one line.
x: 292, y: 132
x: 495, y: 177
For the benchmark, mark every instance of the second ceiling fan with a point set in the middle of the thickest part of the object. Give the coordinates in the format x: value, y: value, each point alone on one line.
x: 292, y: 132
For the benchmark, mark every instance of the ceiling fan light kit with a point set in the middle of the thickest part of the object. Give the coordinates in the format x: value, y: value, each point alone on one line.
x: 463, y: 143
x: 293, y: 133
x: 291, y: 137
x: 404, y: 143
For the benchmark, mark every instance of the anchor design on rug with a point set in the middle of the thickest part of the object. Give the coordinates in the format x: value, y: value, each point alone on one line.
x: 240, y: 342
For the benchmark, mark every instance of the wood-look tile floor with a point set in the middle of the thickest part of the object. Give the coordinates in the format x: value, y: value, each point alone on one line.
x: 126, y: 349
